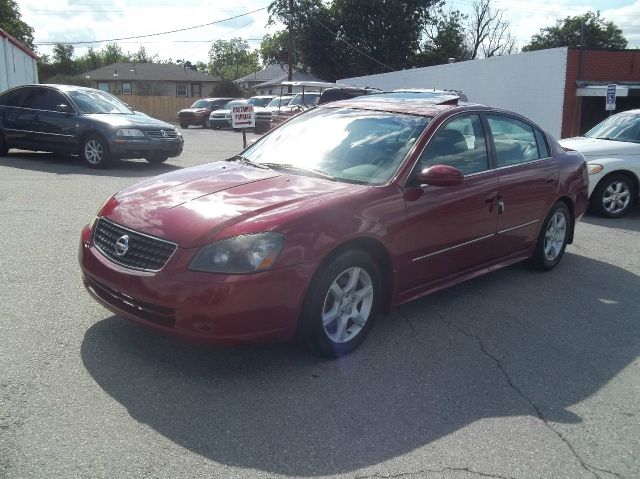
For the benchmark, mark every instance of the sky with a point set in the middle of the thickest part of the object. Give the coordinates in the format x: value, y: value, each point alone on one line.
x: 94, y: 20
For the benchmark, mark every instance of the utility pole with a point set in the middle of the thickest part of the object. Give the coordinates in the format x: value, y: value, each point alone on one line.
x: 290, y: 46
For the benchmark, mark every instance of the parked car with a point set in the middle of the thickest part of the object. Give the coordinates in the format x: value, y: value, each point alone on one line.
x: 262, y: 114
x: 612, y: 150
x: 199, y: 112
x: 82, y: 121
x: 222, y: 118
x: 345, y: 210
x: 299, y: 103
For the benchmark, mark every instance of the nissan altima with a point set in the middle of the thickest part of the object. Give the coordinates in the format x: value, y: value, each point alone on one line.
x: 338, y: 214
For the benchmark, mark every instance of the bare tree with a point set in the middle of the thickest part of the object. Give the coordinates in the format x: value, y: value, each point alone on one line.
x: 489, y: 32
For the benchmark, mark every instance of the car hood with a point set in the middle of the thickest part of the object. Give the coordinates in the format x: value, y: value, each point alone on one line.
x: 193, y: 205
x: 597, y: 148
x: 193, y: 110
x: 124, y: 120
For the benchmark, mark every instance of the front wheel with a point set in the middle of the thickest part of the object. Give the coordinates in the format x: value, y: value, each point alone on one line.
x: 614, y: 196
x: 552, y: 240
x: 94, y: 152
x: 184, y: 126
x: 342, y: 304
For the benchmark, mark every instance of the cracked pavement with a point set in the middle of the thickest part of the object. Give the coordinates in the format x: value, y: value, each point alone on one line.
x: 516, y: 374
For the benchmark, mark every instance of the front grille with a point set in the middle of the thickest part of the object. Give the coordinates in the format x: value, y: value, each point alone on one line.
x: 140, y: 309
x: 218, y: 116
x: 158, y: 134
x: 144, y: 253
x: 186, y: 115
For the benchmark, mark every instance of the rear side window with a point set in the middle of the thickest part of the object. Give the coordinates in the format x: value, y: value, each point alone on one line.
x: 15, y: 97
x: 543, y: 145
x: 515, y: 141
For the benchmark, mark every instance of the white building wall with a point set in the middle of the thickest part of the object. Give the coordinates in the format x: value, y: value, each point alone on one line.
x: 16, y: 67
x: 531, y: 83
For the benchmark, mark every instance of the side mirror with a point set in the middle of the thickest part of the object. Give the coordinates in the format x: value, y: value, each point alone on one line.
x: 440, y: 175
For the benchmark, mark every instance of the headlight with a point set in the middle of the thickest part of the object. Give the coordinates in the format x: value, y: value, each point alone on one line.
x: 240, y: 254
x: 594, y: 168
x: 130, y: 133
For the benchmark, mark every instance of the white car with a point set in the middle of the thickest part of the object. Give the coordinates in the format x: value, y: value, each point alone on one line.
x: 612, y: 151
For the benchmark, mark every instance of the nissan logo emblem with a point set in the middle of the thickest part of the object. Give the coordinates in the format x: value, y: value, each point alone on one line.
x: 122, y: 245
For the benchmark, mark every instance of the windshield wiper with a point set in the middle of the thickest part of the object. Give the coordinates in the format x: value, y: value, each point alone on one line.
x: 607, y: 138
x: 289, y: 167
x: 247, y: 161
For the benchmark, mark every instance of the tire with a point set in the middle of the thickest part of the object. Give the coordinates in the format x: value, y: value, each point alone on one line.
x: 341, y: 304
x: 184, y: 126
x: 156, y: 160
x: 553, y: 237
x: 95, y: 152
x: 4, y: 150
x: 614, y: 196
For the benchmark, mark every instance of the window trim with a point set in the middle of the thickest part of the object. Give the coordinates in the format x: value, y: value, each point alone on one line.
x: 130, y: 87
x: 98, y: 83
x: 186, y: 90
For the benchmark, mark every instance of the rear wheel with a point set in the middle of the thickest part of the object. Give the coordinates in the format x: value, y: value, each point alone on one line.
x: 553, y: 237
x: 614, y: 195
x: 342, y: 304
x: 94, y: 152
x: 184, y: 125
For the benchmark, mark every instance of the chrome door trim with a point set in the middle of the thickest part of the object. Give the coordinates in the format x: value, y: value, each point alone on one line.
x: 518, y: 226
x: 466, y: 243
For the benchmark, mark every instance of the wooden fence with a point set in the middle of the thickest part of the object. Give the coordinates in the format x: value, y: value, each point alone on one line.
x: 160, y: 107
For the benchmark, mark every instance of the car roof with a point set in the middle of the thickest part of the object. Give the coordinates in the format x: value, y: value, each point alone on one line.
x: 409, y: 106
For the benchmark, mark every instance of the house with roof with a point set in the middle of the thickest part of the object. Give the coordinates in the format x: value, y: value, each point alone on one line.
x: 152, y: 79
x: 267, y: 81
x: 18, y: 64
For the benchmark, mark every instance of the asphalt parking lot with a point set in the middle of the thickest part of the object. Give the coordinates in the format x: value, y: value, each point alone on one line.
x: 517, y: 374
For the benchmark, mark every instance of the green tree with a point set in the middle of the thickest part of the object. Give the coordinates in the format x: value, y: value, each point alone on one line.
x: 11, y: 21
x: 231, y: 59
x: 63, y: 58
x: 598, y: 33
x: 226, y: 88
x: 141, y: 56
x: 112, y: 53
x: 274, y: 49
x: 445, y: 38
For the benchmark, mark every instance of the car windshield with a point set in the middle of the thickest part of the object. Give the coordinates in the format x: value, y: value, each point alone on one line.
x: 350, y: 145
x: 310, y: 99
x: 259, y: 101
x: 233, y: 103
x: 276, y: 102
x: 620, y: 127
x: 96, y: 101
x: 201, y: 104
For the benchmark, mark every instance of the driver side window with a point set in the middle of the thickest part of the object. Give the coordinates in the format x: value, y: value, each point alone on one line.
x: 459, y: 143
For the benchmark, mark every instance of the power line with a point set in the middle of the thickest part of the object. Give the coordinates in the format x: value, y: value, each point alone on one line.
x: 155, y: 34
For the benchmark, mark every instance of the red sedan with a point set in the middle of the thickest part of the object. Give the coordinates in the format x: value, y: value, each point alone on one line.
x: 343, y: 211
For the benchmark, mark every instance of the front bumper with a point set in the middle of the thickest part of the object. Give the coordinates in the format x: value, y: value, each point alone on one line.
x: 213, y: 308
x: 143, y: 149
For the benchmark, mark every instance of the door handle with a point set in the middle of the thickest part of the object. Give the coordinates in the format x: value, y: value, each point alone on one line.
x: 550, y: 179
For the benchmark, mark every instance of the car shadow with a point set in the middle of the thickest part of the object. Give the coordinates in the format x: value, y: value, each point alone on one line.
x: 630, y: 221
x: 73, y: 165
x: 515, y: 342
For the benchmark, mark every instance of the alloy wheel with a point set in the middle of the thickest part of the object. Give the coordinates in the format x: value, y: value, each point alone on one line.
x: 555, y: 236
x: 616, y: 197
x: 94, y: 151
x: 347, y: 305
